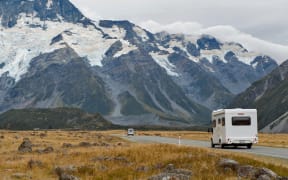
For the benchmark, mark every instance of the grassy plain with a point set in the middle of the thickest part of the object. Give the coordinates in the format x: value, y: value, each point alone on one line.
x: 99, y: 155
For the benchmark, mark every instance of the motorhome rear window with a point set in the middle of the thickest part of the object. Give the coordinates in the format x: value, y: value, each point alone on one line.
x: 214, y: 123
x: 241, y: 121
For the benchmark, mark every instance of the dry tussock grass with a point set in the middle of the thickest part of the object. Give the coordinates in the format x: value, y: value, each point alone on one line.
x: 119, y: 160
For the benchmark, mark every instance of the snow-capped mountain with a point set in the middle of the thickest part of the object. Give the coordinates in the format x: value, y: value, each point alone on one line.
x: 51, y: 55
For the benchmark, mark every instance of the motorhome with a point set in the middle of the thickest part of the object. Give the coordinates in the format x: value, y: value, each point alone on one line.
x: 130, y: 132
x: 237, y: 127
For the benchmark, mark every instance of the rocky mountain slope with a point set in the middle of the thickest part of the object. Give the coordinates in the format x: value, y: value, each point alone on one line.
x: 269, y: 96
x: 51, y: 55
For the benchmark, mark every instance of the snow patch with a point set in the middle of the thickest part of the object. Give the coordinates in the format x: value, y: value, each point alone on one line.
x: 126, y: 48
x: 163, y: 61
x: 114, y: 32
x: 141, y: 33
x: 49, y: 4
x: 18, y: 45
x: 209, y: 54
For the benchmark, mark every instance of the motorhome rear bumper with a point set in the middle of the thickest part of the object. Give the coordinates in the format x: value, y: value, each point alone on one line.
x: 241, y: 141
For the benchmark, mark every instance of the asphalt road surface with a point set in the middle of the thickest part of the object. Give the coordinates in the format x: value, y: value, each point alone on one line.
x: 259, y: 150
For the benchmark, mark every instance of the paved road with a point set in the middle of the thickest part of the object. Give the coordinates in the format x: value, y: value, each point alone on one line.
x: 259, y: 150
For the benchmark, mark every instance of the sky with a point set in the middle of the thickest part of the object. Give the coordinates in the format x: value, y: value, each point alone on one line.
x: 257, y: 24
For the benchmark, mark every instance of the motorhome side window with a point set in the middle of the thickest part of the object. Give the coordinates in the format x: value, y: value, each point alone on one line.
x: 214, y: 123
x: 241, y: 121
x: 223, y: 121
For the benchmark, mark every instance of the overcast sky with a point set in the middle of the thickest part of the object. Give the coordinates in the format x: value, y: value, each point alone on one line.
x: 264, y: 21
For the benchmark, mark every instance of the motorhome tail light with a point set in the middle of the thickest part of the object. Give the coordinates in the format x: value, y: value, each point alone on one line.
x: 256, y: 138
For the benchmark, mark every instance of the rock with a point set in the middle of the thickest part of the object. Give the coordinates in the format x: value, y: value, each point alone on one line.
x: 65, y: 169
x: 182, y: 172
x: 158, y: 166
x: 247, y: 171
x: 228, y: 163
x: 84, y: 144
x: 267, y: 172
x: 119, y: 144
x: 45, y: 151
x: 171, y: 173
x: 121, y: 158
x: 25, y: 146
x: 107, y: 158
x: 48, y: 150
x: 143, y: 169
x: 104, y: 144
x: 103, y: 168
x: 64, y: 172
x: 21, y: 176
x: 42, y: 135
x: 68, y: 177
x: 169, y: 167
x: 67, y: 145
x: 34, y: 163
x: 169, y: 176
x: 282, y: 178
x: 263, y: 177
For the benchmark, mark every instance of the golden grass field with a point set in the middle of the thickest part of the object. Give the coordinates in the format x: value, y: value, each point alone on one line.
x: 113, y: 158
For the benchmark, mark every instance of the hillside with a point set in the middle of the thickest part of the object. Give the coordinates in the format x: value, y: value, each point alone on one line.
x: 269, y: 96
x: 58, y: 118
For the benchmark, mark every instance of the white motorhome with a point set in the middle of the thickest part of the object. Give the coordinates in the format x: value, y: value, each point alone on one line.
x: 130, y: 132
x: 237, y: 127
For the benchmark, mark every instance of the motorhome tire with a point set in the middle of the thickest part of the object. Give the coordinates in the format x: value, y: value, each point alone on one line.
x: 212, y: 144
x: 249, y: 146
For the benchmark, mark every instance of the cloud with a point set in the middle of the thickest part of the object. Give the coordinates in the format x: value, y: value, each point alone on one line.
x: 223, y: 33
x: 176, y: 27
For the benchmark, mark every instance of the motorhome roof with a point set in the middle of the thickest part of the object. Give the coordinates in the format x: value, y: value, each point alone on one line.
x: 219, y: 111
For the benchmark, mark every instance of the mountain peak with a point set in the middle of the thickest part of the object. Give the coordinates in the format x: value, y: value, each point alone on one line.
x: 45, y: 10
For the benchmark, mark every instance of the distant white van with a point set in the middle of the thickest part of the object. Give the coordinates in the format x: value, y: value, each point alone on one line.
x: 130, y: 132
x: 237, y: 127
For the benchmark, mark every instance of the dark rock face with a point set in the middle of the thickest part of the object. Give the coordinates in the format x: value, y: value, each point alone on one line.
x: 264, y: 64
x: 151, y: 85
x: 198, y: 84
x: 208, y: 43
x: 117, y: 46
x: 44, y: 10
x: 230, y: 56
x: 192, y: 49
